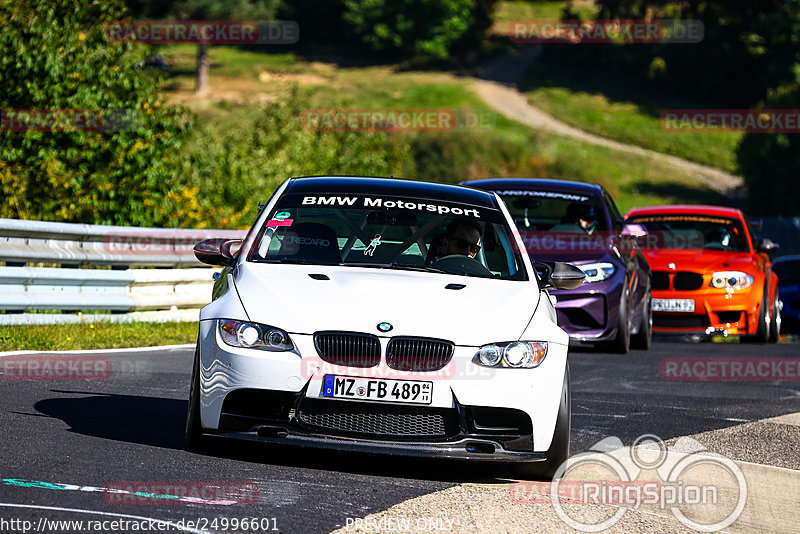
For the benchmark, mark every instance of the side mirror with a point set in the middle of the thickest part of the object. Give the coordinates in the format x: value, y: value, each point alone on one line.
x: 634, y: 230
x: 560, y: 275
x: 767, y: 245
x: 218, y: 251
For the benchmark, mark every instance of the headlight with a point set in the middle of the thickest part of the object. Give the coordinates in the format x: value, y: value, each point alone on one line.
x: 516, y: 354
x: 254, y: 336
x: 596, y: 272
x: 733, y: 280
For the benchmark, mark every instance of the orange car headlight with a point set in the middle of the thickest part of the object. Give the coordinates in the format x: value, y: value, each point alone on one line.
x: 733, y: 280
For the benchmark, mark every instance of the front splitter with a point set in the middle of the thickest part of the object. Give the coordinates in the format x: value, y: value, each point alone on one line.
x: 463, y: 449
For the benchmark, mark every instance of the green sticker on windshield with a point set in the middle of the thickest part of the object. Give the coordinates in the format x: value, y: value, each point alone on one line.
x: 282, y: 215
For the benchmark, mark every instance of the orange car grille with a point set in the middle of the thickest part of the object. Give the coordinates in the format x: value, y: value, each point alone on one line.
x: 680, y: 281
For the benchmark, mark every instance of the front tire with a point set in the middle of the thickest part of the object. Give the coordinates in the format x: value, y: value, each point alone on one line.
x: 558, y: 453
x: 194, y: 429
x: 775, y: 323
x: 622, y: 343
x: 763, y: 331
x: 644, y: 337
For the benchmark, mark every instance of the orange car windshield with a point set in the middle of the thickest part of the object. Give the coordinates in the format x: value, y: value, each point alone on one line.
x: 693, y: 232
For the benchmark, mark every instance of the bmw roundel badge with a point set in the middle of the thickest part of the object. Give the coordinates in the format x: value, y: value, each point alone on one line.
x: 385, y: 327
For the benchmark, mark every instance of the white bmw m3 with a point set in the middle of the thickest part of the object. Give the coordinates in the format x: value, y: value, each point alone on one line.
x: 384, y: 316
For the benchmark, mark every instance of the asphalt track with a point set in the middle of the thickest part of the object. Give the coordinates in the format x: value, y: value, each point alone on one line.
x: 65, y: 440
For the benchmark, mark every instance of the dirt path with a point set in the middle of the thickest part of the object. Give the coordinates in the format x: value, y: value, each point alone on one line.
x: 504, y: 98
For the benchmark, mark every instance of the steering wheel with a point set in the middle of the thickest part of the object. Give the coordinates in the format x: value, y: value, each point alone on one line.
x: 460, y: 264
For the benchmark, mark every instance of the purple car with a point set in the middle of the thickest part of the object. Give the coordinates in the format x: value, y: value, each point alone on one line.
x: 579, y: 223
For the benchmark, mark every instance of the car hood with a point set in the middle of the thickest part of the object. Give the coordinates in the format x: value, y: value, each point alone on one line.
x: 357, y: 299
x: 702, y: 261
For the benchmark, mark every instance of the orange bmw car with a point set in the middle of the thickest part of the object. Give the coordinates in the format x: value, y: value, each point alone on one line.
x: 710, y: 275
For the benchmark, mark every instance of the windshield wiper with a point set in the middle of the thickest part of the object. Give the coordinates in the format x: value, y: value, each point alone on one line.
x: 415, y: 267
x: 295, y: 261
x: 395, y: 265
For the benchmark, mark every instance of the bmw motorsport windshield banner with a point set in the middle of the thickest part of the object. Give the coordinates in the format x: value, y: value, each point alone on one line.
x: 389, y: 202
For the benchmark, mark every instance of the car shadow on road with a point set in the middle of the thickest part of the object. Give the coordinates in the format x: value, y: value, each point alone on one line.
x: 159, y: 422
x: 136, y: 419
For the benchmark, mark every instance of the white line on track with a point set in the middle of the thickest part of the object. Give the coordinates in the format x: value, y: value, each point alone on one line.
x: 96, y: 351
x: 98, y: 512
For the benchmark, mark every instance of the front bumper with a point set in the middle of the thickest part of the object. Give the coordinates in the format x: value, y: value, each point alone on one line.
x: 590, y: 312
x: 716, y: 312
x: 258, y: 395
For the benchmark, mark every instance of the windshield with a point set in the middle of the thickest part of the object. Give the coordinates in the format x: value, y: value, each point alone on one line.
x: 390, y: 233
x: 555, y: 211
x: 692, y: 232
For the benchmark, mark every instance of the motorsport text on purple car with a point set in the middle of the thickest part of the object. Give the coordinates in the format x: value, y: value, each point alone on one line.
x: 579, y: 223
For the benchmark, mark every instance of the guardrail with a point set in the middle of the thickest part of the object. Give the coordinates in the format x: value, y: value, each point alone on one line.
x: 90, y: 244
x: 151, y: 294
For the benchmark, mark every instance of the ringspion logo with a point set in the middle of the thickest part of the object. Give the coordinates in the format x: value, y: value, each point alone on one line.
x: 684, y: 479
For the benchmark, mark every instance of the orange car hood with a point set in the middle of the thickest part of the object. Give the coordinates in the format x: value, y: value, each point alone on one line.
x: 702, y: 261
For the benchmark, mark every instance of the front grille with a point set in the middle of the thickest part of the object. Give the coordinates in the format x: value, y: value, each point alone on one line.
x: 577, y: 318
x: 418, y: 354
x: 729, y: 316
x: 245, y: 408
x: 350, y: 349
x: 379, y: 420
x: 686, y: 281
x: 680, y: 321
x: 660, y: 280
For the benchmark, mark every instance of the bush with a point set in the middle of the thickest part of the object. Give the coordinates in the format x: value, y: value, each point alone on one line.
x: 417, y: 28
x: 452, y: 158
x: 234, y: 168
x: 55, y: 57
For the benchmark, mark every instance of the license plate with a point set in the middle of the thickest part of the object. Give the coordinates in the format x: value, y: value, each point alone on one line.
x: 673, y: 305
x: 348, y: 387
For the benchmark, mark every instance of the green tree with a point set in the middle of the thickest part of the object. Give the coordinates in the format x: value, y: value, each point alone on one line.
x: 205, y: 10
x: 771, y: 162
x: 748, y: 47
x: 424, y: 28
x: 55, y: 57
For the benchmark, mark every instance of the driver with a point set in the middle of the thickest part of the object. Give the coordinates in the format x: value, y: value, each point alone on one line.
x: 578, y: 214
x: 462, y: 237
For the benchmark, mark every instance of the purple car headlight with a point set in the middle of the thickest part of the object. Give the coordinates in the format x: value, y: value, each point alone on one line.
x: 597, y: 272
